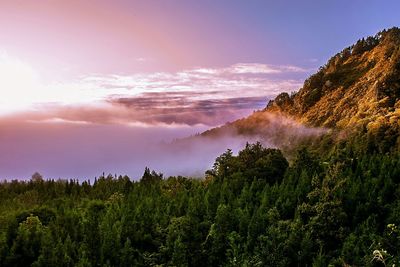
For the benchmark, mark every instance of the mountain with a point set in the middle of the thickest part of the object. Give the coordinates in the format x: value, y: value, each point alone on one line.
x: 359, y: 88
x: 340, y: 207
x: 361, y: 83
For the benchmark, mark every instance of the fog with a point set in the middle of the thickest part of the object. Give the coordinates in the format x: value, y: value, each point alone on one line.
x: 80, y: 151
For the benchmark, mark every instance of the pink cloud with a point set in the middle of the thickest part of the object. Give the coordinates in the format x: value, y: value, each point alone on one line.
x: 206, y: 96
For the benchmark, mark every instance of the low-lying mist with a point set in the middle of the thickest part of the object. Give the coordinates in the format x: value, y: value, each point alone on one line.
x: 63, y: 150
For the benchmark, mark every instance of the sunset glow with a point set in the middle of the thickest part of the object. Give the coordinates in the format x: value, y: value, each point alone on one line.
x: 178, y: 68
x: 17, y: 79
x: 199, y: 133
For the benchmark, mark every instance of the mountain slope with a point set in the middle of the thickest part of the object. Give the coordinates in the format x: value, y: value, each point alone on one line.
x: 362, y: 82
x: 357, y: 88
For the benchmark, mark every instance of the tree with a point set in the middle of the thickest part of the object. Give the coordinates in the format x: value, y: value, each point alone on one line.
x: 324, y: 213
x: 223, y: 165
x: 217, y: 240
x: 27, y: 244
x: 262, y: 163
x: 37, y: 177
x: 151, y: 177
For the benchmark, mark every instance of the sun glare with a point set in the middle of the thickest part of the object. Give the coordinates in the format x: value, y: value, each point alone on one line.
x: 18, y: 84
x: 22, y: 88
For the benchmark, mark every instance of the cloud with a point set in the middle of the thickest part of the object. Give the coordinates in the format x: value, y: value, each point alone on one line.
x: 69, y: 150
x: 115, y: 123
x: 255, y: 68
x: 206, y: 96
x: 151, y: 109
x: 233, y: 80
x: 83, y: 151
x: 168, y: 108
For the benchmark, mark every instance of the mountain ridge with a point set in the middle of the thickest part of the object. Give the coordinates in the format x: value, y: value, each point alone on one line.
x: 358, y: 89
x: 360, y: 81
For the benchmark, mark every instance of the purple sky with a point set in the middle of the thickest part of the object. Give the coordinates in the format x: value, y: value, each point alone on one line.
x: 89, y: 86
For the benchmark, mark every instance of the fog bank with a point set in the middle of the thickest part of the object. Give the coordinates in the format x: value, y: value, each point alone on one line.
x: 80, y: 151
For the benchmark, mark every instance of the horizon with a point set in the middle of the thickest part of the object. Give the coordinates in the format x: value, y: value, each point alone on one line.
x: 92, y: 88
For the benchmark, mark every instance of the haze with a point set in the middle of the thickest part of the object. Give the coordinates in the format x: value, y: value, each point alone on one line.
x: 91, y: 87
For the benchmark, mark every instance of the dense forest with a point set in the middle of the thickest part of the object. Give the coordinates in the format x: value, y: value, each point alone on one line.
x: 333, y: 200
x: 251, y: 209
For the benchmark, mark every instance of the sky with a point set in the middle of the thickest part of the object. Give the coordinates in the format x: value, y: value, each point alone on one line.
x: 96, y: 86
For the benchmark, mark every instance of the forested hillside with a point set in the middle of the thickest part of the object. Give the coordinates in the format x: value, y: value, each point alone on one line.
x: 331, y: 199
x: 250, y: 210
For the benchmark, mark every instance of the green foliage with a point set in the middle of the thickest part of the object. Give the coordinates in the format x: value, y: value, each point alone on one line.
x: 253, y: 209
x: 151, y: 177
x: 253, y: 162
